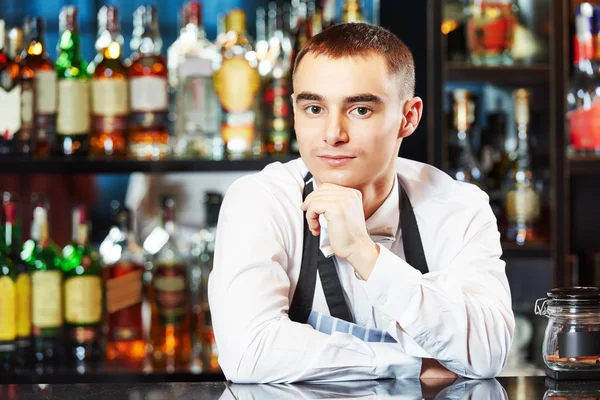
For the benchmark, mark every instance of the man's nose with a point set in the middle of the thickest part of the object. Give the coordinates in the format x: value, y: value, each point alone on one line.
x: 336, y: 132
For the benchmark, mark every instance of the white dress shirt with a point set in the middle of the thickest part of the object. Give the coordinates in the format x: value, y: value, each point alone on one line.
x: 459, y: 313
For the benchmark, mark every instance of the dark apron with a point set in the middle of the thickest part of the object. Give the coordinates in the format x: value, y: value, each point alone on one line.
x: 313, y: 260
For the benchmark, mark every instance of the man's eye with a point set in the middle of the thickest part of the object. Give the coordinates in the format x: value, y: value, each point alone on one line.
x: 314, y: 110
x: 362, y: 111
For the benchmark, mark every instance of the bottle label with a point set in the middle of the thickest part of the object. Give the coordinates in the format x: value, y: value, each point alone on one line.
x: 198, y: 105
x: 83, y: 300
x: 124, y: 291
x: 10, y: 112
x: 149, y: 94
x: 23, y: 305
x: 8, y: 309
x: 27, y: 98
x: 236, y: 84
x: 73, y: 107
x: 45, y: 100
x: 522, y: 205
x: 46, y: 289
x: 110, y: 97
x: 171, y: 293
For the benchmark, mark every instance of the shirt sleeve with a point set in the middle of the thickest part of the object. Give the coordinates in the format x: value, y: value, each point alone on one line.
x: 248, y: 296
x: 460, y: 313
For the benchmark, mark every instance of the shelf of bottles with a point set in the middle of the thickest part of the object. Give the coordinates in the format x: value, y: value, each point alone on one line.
x: 496, y: 53
x: 226, y: 100
x: 123, y: 309
x: 582, y: 98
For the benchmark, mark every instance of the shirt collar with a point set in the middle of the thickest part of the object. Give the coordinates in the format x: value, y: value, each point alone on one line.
x: 382, y: 225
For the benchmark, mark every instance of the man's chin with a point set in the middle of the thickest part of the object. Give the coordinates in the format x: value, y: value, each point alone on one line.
x: 337, y: 177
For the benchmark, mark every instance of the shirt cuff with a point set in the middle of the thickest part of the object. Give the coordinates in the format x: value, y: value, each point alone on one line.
x: 391, y: 283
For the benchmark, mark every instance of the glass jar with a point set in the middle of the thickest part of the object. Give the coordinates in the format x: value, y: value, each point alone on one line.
x: 490, y: 31
x: 572, y: 337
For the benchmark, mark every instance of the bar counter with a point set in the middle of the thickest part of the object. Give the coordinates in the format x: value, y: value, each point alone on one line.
x: 517, y: 388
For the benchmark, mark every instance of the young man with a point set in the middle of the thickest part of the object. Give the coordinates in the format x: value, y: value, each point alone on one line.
x: 351, y: 263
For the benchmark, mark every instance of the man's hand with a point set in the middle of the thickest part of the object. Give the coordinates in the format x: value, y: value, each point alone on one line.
x: 431, y: 369
x: 343, y: 209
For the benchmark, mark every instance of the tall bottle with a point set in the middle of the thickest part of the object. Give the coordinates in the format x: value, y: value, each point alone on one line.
x: 37, y: 60
x: 462, y: 162
x: 522, y: 198
x: 12, y: 240
x: 110, y: 91
x: 8, y: 300
x: 205, y: 350
x: 170, y: 335
x: 277, y: 107
x: 192, y: 61
x: 24, y: 136
x: 43, y: 259
x: 123, y: 280
x: 237, y: 83
x: 352, y: 11
x: 10, y: 98
x: 83, y: 290
x: 73, y: 117
x: 148, y: 89
x: 581, y: 90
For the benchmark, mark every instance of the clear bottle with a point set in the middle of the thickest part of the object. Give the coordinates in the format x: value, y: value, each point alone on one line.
x: 83, y: 290
x: 123, y: 275
x: 463, y: 165
x: 192, y: 60
x: 237, y: 84
x: 73, y: 118
x: 45, y: 77
x: 110, y: 89
x: 204, y: 347
x: 10, y: 98
x: 170, y: 331
x: 148, y: 89
x: 522, y: 198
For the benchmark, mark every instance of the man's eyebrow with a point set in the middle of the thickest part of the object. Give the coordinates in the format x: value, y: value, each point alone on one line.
x: 364, y: 98
x: 307, y: 96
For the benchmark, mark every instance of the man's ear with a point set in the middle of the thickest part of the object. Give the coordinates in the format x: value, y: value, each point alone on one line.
x: 413, y: 111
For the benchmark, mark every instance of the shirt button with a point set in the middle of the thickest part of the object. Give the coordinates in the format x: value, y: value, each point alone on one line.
x: 357, y: 276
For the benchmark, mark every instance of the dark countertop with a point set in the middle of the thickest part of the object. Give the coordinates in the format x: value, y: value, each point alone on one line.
x: 519, y: 388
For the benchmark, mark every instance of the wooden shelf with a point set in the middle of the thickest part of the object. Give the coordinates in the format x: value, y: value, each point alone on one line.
x: 584, y: 164
x: 513, y: 251
x: 25, y: 166
x: 509, y: 75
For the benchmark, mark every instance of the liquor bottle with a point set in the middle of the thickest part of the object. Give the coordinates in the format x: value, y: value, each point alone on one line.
x: 490, y: 31
x: 522, y: 198
x: 83, y: 290
x: 237, y: 83
x: 24, y: 137
x: 192, y: 60
x: 110, y: 102
x: 170, y: 335
x: 8, y: 301
x: 12, y: 238
x: 463, y: 165
x: 43, y: 258
x: 148, y: 89
x: 352, y: 11
x: 10, y: 98
x: 579, y: 96
x: 263, y: 33
x: 73, y: 117
x: 37, y: 60
x: 123, y: 279
x: 277, y: 107
x: 205, y: 351
x: 328, y: 11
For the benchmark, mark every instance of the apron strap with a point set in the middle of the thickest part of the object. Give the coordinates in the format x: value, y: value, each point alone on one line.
x: 313, y: 260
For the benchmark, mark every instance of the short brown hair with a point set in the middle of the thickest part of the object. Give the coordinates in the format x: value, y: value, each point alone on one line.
x: 356, y: 39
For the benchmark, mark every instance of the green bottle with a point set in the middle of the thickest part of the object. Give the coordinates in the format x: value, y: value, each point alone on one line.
x: 8, y: 300
x: 83, y: 294
x: 73, y: 112
x: 12, y: 240
x: 43, y: 258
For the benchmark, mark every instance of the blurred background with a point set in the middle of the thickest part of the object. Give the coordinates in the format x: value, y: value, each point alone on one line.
x: 122, y: 124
